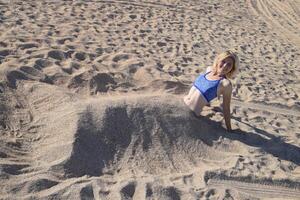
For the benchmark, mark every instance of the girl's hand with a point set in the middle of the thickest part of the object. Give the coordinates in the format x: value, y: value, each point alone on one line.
x: 234, y: 128
x: 229, y: 129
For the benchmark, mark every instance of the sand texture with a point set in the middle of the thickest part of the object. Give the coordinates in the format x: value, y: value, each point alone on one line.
x: 91, y: 100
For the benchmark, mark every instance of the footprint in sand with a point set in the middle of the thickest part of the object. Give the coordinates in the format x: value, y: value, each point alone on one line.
x: 128, y: 190
x: 57, y: 55
x: 80, y: 56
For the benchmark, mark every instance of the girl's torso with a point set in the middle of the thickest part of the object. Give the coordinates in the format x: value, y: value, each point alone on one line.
x: 208, y: 88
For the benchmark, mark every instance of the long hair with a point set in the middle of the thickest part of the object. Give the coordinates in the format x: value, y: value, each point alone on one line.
x: 236, y: 62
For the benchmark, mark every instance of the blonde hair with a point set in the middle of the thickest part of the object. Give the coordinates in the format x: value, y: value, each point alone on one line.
x: 236, y: 62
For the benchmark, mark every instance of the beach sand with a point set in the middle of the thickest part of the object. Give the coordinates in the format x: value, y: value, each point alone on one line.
x: 91, y: 100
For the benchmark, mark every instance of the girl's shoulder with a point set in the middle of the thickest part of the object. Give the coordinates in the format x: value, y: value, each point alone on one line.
x: 225, y: 81
x: 226, y: 84
x: 208, y: 69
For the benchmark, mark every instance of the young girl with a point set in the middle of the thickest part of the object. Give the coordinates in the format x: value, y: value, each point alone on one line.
x: 214, y: 83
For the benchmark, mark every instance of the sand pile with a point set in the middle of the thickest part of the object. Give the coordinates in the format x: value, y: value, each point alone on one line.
x: 91, y: 100
x: 135, y: 136
x: 134, y: 146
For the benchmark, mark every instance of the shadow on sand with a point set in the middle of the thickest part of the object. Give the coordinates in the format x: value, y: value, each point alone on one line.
x: 265, y: 141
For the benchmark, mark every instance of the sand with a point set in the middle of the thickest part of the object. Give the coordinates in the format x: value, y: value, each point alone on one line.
x: 91, y: 100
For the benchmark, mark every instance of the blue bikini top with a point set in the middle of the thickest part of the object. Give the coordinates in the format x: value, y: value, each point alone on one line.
x: 208, y: 88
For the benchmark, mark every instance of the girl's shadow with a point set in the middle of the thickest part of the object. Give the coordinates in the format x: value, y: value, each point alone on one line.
x: 212, y: 131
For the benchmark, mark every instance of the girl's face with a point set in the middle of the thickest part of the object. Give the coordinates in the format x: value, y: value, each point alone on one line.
x: 224, y: 66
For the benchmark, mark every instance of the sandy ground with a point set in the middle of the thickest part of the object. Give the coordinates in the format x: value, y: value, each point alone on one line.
x: 91, y: 100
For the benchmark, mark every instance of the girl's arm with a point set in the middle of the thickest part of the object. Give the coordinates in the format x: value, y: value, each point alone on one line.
x: 226, y: 104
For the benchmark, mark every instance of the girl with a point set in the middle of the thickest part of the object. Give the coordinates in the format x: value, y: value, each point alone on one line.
x: 214, y: 83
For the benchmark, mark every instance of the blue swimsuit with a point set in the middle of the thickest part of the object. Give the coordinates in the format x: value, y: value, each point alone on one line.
x: 208, y: 88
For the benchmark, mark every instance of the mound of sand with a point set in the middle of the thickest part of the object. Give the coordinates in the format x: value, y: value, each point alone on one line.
x: 141, y: 146
x: 137, y: 135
